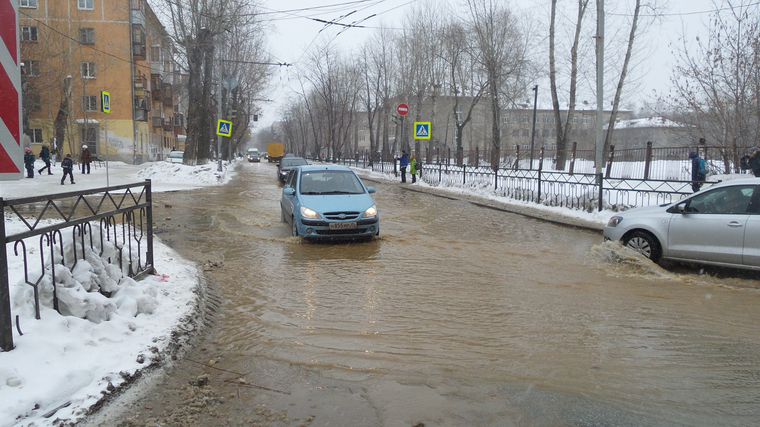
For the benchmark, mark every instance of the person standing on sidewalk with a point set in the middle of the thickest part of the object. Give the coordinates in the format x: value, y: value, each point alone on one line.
x: 68, y: 169
x: 413, y: 168
x: 697, y: 174
x: 45, y: 156
x: 85, y: 159
x: 29, y: 162
x: 403, y: 163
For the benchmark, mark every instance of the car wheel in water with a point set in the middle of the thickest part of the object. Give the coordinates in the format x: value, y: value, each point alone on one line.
x: 293, y: 227
x: 645, y: 244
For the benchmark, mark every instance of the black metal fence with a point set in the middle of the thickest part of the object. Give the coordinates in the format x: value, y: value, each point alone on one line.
x: 123, y: 215
x: 631, y: 178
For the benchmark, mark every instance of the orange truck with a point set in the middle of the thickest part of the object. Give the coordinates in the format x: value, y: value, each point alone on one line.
x: 275, y: 151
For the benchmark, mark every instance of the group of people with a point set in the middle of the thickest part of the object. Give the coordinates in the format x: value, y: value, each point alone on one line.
x: 67, y: 164
x: 699, y: 172
x: 411, y: 162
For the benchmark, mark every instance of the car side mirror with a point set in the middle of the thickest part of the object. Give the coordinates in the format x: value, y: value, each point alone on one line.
x: 679, y: 208
x: 371, y: 190
x: 288, y: 191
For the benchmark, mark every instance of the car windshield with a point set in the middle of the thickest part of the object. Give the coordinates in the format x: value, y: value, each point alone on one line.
x: 176, y: 154
x: 287, y: 163
x: 330, y: 182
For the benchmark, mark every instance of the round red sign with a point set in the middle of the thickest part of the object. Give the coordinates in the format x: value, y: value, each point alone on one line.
x: 402, y: 109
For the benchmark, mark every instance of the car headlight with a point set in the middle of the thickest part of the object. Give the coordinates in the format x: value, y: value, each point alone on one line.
x: 309, y: 213
x: 369, y: 213
x: 614, y: 221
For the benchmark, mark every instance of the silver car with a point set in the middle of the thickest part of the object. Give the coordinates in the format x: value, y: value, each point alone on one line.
x: 717, y: 226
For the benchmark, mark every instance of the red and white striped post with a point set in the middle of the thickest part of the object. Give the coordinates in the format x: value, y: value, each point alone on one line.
x: 11, y: 153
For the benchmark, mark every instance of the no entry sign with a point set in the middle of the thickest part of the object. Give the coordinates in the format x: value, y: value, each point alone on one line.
x: 402, y: 109
x: 11, y: 154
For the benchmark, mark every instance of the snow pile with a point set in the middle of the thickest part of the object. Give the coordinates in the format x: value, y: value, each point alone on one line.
x: 82, y: 285
x: 110, y: 327
x: 178, y: 173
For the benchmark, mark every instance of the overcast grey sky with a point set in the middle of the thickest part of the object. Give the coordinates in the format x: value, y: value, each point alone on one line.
x: 296, y: 27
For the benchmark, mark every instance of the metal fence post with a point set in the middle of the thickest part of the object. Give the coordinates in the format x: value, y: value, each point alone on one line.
x: 149, y: 219
x: 540, y: 167
x: 647, y: 160
x: 572, y: 158
x: 6, y: 326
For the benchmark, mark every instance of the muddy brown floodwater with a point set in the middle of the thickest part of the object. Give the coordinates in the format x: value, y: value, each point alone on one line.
x: 457, y: 315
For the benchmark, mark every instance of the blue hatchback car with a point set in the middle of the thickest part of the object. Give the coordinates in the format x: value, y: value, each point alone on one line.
x: 328, y: 202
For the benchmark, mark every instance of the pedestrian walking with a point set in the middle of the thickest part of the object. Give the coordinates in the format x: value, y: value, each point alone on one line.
x: 29, y: 162
x: 85, y: 159
x: 754, y: 161
x: 698, y: 172
x: 45, y: 156
x: 413, y: 168
x: 403, y: 163
x: 68, y: 169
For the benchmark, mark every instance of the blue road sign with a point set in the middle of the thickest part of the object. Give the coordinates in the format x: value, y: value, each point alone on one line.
x: 421, y: 130
x: 224, y: 128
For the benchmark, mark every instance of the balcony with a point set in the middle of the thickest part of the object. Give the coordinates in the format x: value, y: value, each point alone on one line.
x: 167, y: 95
x: 141, y: 83
x: 138, y: 51
x: 168, y: 125
x: 156, y: 86
x: 141, y: 115
x: 139, y: 48
x: 158, y: 122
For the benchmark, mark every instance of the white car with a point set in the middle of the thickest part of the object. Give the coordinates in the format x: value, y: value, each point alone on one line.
x: 175, y: 157
x: 717, y: 226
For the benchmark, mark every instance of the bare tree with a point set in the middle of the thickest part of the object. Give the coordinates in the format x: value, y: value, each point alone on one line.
x: 716, y: 81
x: 564, y: 128
x: 503, y: 56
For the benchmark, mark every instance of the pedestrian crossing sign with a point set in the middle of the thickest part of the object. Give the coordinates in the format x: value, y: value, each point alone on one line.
x: 224, y: 128
x: 421, y: 130
x: 105, y: 102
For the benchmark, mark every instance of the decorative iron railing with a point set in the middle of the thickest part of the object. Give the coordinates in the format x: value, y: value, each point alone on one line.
x: 122, y: 214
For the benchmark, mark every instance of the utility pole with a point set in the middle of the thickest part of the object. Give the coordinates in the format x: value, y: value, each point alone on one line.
x: 599, y: 94
x: 533, y: 134
x: 219, y: 104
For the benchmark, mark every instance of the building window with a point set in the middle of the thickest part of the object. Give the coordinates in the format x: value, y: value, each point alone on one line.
x: 458, y: 116
x: 575, y: 119
x: 526, y: 133
x: 87, y: 35
x: 90, y: 103
x: 585, y: 120
x: 515, y: 133
x: 525, y: 146
x: 28, y: 3
x: 29, y: 34
x: 86, y: 4
x: 31, y: 68
x: 525, y: 119
x: 361, y: 128
x: 545, y: 133
x: 35, y: 135
x: 362, y: 138
x: 88, y: 70
x: 506, y: 118
x: 546, y: 118
x: 155, y: 54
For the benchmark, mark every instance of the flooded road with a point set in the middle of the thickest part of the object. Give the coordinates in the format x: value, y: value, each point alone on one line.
x: 457, y: 315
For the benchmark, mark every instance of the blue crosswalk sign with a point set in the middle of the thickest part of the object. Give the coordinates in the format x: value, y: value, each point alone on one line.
x: 224, y: 128
x: 421, y: 130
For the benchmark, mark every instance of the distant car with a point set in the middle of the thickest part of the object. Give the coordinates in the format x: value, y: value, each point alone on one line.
x: 716, y: 226
x: 328, y: 202
x: 175, y: 157
x: 253, y: 156
x: 288, y: 163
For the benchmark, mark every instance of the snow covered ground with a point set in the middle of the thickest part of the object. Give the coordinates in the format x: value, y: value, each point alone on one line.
x: 62, y: 364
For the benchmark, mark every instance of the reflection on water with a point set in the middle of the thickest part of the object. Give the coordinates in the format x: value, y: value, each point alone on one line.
x: 459, y: 315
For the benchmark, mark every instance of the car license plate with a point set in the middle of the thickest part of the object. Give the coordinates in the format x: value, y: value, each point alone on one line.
x: 342, y: 225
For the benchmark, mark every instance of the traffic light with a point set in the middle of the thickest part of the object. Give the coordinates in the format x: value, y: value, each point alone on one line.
x: 231, y: 114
